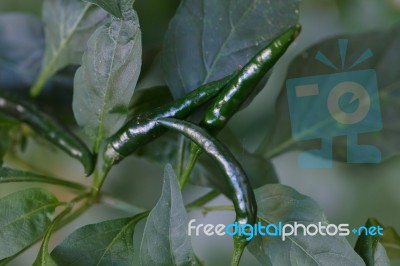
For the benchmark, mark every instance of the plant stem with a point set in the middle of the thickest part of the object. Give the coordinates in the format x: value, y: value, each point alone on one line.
x: 275, y: 151
x: 191, y: 162
x: 78, y: 212
x: 41, y: 178
x: 239, y: 245
x: 40, y: 82
x: 290, y: 142
x: 203, y: 199
x: 49, y: 232
x: 119, y: 204
x: 216, y: 208
x: 98, y: 179
x: 25, y: 165
x: 181, y: 155
x: 130, y: 208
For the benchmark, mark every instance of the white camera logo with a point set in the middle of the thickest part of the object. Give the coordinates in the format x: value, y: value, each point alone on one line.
x: 338, y: 104
x: 359, y: 93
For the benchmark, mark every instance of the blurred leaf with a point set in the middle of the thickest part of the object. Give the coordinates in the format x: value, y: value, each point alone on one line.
x: 373, y: 14
x: 154, y: 75
x: 21, y: 49
x: 154, y: 16
x: 384, y: 46
x: 162, y: 150
x: 206, y: 173
x: 68, y: 26
x: 369, y: 248
x: 208, y: 40
x: 8, y: 175
x: 18, y: 135
x: 147, y: 99
x: 390, y: 240
x: 105, y: 243
x: 56, y: 97
x: 33, y: 7
x: 112, y: 7
x: 105, y: 83
x: 165, y: 239
x: 4, y: 143
x: 5, y: 138
x: 21, y: 55
x: 25, y: 216
x: 279, y: 203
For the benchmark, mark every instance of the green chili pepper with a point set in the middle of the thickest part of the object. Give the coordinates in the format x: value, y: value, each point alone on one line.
x: 143, y: 128
x: 48, y: 128
x: 242, y: 195
x: 239, y: 88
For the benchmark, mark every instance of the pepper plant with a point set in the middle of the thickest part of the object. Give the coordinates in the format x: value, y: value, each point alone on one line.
x: 80, y: 80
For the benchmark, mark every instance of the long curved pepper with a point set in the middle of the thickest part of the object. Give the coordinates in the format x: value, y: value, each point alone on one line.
x: 143, y: 128
x: 239, y: 88
x: 242, y: 194
x: 48, y: 128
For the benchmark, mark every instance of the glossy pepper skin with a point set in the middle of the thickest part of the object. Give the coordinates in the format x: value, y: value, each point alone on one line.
x: 239, y: 88
x: 143, y: 128
x: 48, y: 128
x: 242, y: 194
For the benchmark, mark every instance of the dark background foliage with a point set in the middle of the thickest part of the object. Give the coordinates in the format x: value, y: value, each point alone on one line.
x: 347, y: 194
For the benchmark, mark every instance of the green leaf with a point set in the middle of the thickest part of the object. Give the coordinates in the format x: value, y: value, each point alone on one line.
x: 25, y: 216
x: 112, y: 7
x: 68, y: 26
x: 165, y: 239
x: 21, y: 54
x: 369, y: 248
x: 8, y: 175
x: 279, y: 203
x: 390, y: 240
x: 145, y: 100
x: 162, y: 150
x: 44, y: 258
x: 21, y: 49
x: 380, y: 14
x: 5, y: 138
x: 154, y: 16
x: 383, y: 45
x: 4, y: 142
x: 105, y: 82
x: 208, y: 40
x: 105, y: 243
